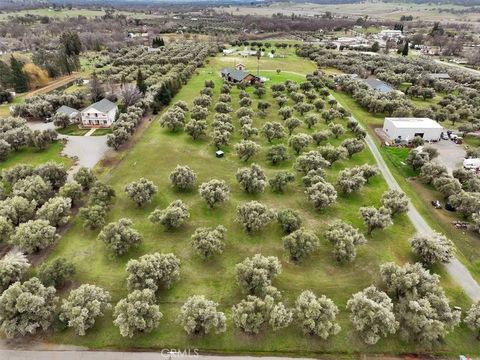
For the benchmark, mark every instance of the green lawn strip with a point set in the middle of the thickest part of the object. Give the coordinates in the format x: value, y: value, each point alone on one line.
x: 154, y: 157
x: 72, y: 129
x: 466, y: 243
x: 34, y: 157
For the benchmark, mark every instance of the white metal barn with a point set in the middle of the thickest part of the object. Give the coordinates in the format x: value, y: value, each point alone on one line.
x: 406, y: 129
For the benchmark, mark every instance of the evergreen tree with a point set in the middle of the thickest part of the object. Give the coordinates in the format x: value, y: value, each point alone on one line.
x: 19, y: 78
x: 141, y: 82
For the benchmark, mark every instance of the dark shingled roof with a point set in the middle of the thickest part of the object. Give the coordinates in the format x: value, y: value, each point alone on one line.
x: 378, y: 85
x: 235, y: 74
x: 103, y: 105
x: 67, y: 110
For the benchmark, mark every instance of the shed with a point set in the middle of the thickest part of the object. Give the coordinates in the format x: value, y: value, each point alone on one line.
x: 219, y: 153
x: 407, y: 128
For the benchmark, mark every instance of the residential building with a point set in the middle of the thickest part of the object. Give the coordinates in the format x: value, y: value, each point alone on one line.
x: 378, y: 85
x: 99, y: 114
x: 238, y: 76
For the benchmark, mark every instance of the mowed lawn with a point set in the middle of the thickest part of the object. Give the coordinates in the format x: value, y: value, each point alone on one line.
x: 154, y: 157
x: 33, y: 156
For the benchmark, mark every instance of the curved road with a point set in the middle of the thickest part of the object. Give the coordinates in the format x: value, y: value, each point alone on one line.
x: 455, y: 268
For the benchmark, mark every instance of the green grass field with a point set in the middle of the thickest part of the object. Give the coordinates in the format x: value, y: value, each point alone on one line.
x: 34, y: 157
x: 154, y: 157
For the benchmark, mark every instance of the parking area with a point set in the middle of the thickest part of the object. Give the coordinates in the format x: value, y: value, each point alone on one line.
x: 450, y: 154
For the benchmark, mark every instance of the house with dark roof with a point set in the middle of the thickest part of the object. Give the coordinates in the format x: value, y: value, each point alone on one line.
x: 99, y: 114
x: 72, y: 113
x: 378, y: 85
x: 236, y: 76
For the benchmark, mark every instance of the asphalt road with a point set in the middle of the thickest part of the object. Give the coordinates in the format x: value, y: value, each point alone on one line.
x: 455, y: 268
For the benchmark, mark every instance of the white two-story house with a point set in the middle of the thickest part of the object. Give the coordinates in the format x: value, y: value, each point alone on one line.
x: 99, y: 114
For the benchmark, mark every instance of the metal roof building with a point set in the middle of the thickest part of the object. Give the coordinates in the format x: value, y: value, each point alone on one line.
x: 378, y: 85
x: 405, y: 129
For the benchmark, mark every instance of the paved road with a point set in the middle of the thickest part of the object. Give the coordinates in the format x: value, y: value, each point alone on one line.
x: 457, y: 66
x: 455, y: 268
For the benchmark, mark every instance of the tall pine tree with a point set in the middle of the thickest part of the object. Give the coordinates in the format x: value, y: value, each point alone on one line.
x: 141, y: 82
x: 19, y: 78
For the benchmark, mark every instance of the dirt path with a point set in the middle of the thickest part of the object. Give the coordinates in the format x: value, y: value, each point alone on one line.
x: 54, y: 85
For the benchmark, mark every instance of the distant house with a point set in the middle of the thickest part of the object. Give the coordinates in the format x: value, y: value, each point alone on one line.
x: 439, y: 76
x: 235, y: 76
x: 240, y: 66
x: 405, y: 129
x: 99, y: 114
x: 72, y: 113
x: 391, y: 34
x: 228, y: 51
x: 378, y: 85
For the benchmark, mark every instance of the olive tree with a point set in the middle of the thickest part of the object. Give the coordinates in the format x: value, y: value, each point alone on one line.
x: 345, y: 240
x: 431, y: 171
x: 93, y: 216
x: 353, y: 146
x: 119, y: 236
x: 254, y: 216
x: 273, y: 130
x: 137, y: 313
x: 207, y: 242
x: 472, y: 320
x: 277, y: 154
x: 299, y: 142
x: 196, y: 128
x: 350, y: 180
x: 26, y: 308
x: 72, y: 190
x: 281, y: 180
x: 292, y: 123
x: 246, y: 149
x: 12, y: 268
x: 300, y: 243
x: 198, y: 315
x: 289, y: 220
x: 141, y: 191
x: 56, y: 272
x: 395, y: 201
x: 321, y: 195
x: 432, y: 249
x: 85, y: 177
x: 376, y: 218
x: 54, y: 173
x: 316, y: 315
x: 153, y: 271
x: 252, y: 180
x: 311, y: 160
x: 34, y: 235
x: 33, y: 188
x: 254, y: 275
x: 183, y: 177
x: 251, y: 313
x: 17, y: 210
x: 173, y: 119
x: 214, y: 192
x: 56, y: 211
x: 372, y: 315
x: 172, y: 217
x: 321, y: 136
x: 83, y: 306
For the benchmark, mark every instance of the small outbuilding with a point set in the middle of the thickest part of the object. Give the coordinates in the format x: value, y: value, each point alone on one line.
x: 405, y: 129
x: 378, y: 85
x: 72, y: 113
x: 219, y: 153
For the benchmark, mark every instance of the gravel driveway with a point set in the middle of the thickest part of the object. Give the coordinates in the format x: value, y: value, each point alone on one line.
x: 87, y: 150
x: 449, y: 154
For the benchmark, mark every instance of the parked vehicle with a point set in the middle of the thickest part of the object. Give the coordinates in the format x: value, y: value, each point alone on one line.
x: 444, y: 136
x: 436, y: 204
x: 449, y: 207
